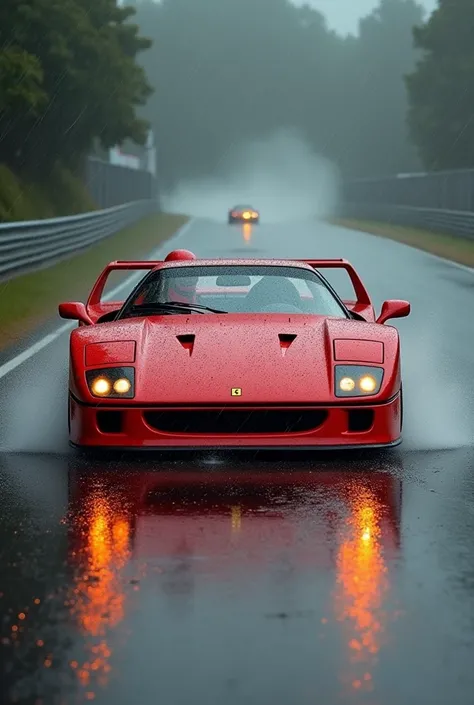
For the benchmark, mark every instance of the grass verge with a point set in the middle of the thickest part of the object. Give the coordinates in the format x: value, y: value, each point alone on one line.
x: 456, y: 249
x: 30, y: 300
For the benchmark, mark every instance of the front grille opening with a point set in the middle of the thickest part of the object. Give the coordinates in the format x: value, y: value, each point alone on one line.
x: 236, y: 421
x: 110, y: 421
x: 360, y: 420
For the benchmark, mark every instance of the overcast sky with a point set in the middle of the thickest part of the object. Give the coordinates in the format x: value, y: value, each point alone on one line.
x: 343, y: 15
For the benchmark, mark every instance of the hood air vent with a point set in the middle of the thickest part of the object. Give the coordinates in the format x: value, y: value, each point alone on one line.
x: 187, y: 341
x: 285, y: 341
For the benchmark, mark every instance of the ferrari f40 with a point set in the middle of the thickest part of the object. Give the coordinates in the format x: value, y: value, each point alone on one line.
x: 234, y: 354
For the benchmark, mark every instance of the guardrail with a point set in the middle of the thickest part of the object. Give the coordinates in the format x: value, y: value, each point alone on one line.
x: 446, y: 190
x: 459, y: 223
x: 29, y: 244
x: 440, y: 201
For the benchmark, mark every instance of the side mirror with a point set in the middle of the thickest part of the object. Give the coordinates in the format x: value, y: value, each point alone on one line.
x: 75, y: 311
x: 394, y: 308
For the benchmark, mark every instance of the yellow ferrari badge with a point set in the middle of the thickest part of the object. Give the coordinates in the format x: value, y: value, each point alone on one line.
x: 236, y: 392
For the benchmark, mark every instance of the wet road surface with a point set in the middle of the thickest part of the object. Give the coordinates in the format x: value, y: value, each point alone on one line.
x: 251, y: 579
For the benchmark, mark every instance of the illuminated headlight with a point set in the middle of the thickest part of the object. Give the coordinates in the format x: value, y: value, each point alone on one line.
x: 112, y: 382
x: 357, y: 380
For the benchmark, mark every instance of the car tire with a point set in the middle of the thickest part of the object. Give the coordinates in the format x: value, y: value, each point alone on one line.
x: 401, y: 408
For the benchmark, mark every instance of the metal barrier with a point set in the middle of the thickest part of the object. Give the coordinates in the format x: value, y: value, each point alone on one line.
x: 111, y: 185
x: 440, y: 201
x: 32, y: 243
x: 447, y: 190
x: 460, y: 223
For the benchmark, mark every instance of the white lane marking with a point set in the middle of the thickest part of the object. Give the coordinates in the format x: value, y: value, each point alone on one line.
x: 451, y: 262
x: 29, y: 352
x: 458, y: 265
x: 22, y: 357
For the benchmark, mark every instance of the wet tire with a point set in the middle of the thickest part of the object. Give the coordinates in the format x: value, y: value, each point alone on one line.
x: 401, y: 408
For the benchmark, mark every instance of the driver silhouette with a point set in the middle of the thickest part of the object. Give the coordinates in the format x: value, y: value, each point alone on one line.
x: 181, y: 288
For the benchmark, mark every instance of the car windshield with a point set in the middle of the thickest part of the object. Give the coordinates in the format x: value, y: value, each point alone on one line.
x: 233, y: 289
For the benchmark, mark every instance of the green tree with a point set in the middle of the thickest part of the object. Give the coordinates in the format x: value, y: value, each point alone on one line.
x: 79, y: 79
x: 21, y: 80
x: 441, y: 115
x: 377, y: 140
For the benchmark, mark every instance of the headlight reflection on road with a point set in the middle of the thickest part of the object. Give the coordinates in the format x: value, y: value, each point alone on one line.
x: 236, y: 518
x: 98, y: 600
x: 247, y: 232
x: 362, y: 584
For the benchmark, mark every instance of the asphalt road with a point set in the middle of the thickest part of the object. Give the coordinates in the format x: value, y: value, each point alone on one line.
x: 234, y: 580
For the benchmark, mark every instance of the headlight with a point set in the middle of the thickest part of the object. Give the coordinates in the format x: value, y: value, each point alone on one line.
x: 357, y: 380
x: 112, y: 382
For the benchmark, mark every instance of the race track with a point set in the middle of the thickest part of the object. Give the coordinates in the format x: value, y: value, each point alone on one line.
x: 234, y: 580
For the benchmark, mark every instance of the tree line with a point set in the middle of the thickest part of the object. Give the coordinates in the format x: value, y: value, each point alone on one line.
x: 211, y: 74
x: 68, y: 76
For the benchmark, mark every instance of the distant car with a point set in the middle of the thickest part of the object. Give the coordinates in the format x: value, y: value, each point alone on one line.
x: 243, y: 214
x: 234, y: 353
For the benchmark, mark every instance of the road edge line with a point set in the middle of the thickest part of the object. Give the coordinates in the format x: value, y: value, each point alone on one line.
x: 46, y: 340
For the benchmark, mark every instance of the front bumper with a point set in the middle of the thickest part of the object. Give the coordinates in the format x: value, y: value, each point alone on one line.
x: 341, y: 426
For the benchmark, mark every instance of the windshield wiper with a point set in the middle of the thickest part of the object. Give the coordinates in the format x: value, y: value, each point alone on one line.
x: 174, y: 307
x: 196, y: 306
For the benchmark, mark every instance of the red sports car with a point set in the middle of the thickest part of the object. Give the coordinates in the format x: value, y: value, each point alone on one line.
x: 243, y: 214
x: 234, y: 354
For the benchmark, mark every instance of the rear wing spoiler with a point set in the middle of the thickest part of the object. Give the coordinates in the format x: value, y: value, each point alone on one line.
x: 361, y: 292
x: 125, y: 265
x: 362, y: 296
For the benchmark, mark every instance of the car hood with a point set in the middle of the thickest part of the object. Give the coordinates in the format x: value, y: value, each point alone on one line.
x: 202, y: 358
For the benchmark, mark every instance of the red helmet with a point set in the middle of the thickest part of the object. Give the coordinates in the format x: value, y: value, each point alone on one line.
x: 177, y: 255
x: 182, y: 289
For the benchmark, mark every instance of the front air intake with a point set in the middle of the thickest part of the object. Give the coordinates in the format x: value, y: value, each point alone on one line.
x: 360, y: 420
x: 235, y: 421
x: 110, y: 421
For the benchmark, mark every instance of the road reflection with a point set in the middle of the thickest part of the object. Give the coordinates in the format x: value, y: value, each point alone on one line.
x: 363, y: 584
x: 135, y: 544
x: 98, y: 596
x: 227, y: 525
x: 247, y: 232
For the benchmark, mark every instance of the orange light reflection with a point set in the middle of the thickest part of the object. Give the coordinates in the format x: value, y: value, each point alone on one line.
x: 362, y: 584
x: 236, y: 519
x: 247, y: 231
x: 98, y: 602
